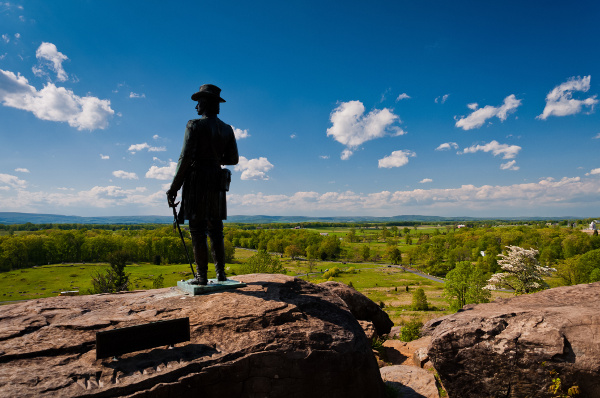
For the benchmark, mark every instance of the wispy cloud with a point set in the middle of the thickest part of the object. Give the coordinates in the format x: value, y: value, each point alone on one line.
x: 54, y: 103
x: 125, y: 175
x: 12, y: 181
x: 509, y: 165
x: 560, y: 102
x: 402, y: 96
x: 351, y: 127
x: 446, y: 146
x: 396, y: 159
x: 441, y: 99
x: 425, y: 180
x: 480, y: 116
x: 21, y: 170
x: 254, y: 169
x: 507, y: 151
x: 140, y: 147
x: 135, y: 95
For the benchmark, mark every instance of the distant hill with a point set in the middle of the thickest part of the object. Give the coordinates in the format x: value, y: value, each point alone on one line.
x: 34, y: 218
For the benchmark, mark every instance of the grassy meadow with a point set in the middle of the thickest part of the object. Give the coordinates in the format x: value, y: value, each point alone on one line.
x: 391, y: 287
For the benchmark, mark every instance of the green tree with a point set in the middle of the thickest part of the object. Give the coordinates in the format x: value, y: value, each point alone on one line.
x: 263, y: 263
x: 393, y: 254
x: 419, y: 300
x: 465, y: 285
x: 292, y: 251
x: 366, y: 252
x: 351, y: 236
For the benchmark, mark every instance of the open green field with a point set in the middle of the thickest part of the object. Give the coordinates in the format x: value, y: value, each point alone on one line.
x: 382, y: 284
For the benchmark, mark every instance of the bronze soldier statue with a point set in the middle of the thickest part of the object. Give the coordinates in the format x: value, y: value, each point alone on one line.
x: 208, y: 144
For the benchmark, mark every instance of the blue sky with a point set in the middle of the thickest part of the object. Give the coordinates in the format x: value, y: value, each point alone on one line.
x: 376, y: 108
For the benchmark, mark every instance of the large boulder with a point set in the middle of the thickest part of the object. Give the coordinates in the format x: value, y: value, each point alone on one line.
x: 362, y: 307
x: 515, y: 347
x: 277, y: 337
x: 410, y: 382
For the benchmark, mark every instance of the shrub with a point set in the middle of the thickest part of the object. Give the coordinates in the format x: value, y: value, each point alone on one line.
x: 158, y: 282
x: 332, y: 273
x: 411, y: 330
x: 114, y: 279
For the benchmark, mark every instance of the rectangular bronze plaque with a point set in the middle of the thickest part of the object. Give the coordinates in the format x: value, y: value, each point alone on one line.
x: 120, y: 341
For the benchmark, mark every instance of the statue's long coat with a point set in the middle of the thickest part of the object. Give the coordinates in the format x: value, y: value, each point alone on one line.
x: 208, y: 144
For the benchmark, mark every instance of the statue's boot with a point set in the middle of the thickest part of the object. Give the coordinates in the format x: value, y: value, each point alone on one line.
x: 217, y: 246
x: 201, y: 258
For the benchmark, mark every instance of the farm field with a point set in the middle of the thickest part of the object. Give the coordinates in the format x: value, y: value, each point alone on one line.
x: 390, y: 287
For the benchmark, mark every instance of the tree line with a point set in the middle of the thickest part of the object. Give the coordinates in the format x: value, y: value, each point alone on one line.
x: 161, y: 245
x: 575, y: 254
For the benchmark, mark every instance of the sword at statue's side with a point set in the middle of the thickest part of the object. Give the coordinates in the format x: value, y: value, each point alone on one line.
x: 176, y: 225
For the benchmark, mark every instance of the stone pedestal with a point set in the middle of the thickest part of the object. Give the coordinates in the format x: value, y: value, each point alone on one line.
x: 212, y: 286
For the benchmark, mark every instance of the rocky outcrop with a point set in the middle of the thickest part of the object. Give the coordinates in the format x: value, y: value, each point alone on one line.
x: 277, y: 337
x: 515, y: 347
x: 412, y: 353
x: 410, y: 382
x: 361, y: 306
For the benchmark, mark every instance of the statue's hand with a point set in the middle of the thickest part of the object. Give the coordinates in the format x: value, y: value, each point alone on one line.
x: 171, y: 196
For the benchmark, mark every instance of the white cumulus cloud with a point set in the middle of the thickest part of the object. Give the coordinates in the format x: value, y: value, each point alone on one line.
x: 594, y: 171
x: 162, y: 173
x: 481, y: 115
x: 425, y: 180
x: 12, y: 181
x: 396, y: 159
x: 446, y: 146
x: 49, y: 56
x: 507, y: 151
x: 239, y: 133
x: 253, y: 169
x: 546, y: 194
x: 351, y: 127
x: 21, y: 170
x: 54, y: 103
x: 135, y: 95
x: 125, y: 175
x: 104, y: 157
x: 560, y: 101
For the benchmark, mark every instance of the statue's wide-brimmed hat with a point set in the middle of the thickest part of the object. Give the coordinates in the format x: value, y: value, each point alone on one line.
x: 208, y: 91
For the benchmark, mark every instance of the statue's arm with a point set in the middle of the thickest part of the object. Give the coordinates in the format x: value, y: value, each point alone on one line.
x: 230, y: 155
x: 185, y: 160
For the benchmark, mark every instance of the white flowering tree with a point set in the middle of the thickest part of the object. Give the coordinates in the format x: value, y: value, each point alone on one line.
x: 522, y: 271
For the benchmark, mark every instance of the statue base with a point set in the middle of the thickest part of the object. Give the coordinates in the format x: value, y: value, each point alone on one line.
x: 212, y: 286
